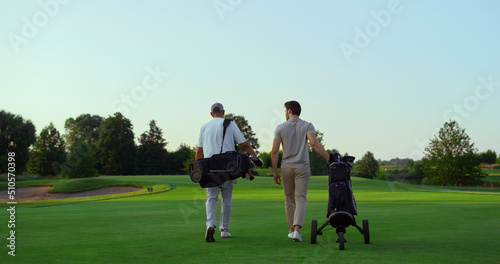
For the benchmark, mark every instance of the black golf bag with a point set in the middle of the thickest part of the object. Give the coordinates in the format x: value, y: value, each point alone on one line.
x: 341, y: 202
x: 214, y: 171
x: 340, y: 196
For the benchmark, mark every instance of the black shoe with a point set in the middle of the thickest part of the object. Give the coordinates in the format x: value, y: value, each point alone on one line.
x: 209, y: 235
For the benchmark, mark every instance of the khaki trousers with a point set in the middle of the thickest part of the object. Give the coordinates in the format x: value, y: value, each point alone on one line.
x: 295, y: 185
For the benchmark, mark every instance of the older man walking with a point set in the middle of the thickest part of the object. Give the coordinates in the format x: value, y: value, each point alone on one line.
x: 210, y: 143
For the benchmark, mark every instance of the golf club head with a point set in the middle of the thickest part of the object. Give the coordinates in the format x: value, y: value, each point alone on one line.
x: 258, y: 162
x: 349, y: 159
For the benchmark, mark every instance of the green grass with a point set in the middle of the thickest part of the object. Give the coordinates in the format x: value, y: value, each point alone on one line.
x: 265, y: 172
x: 85, y: 184
x: 408, y: 224
x: 493, y: 175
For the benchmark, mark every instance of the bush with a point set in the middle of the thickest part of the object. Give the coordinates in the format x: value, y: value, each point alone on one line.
x: 368, y: 166
x: 380, y: 175
x: 488, y: 157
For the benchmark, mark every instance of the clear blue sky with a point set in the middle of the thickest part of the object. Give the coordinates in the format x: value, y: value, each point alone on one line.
x: 379, y: 76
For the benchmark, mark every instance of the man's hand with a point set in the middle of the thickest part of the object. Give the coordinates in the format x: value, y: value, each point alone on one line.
x: 277, y: 178
x: 248, y: 148
x: 199, y: 153
x: 334, y: 157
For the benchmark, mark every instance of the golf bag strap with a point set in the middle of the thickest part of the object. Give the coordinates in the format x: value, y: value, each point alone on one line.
x: 225, y: 125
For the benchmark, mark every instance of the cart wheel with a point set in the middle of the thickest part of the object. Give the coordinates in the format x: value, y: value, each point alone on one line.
x: 366, y: 231
x: 341, y: 240
x: 314, y: 231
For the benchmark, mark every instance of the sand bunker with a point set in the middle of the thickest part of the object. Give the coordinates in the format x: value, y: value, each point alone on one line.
x: 39, y: 193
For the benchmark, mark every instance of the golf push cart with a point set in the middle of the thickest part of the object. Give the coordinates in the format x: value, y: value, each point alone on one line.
x: 341, y: 203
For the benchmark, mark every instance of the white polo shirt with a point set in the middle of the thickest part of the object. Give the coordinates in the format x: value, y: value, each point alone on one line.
x: 211, y: 137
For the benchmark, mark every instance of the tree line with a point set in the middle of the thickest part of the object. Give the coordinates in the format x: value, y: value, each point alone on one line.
x: 93, y: 145
x: 450, y: 159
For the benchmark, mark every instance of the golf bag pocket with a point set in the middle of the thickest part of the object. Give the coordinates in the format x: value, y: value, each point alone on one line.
x: 231, y: 164
x: 338, y: 197
x: 199, y: 169
x: 338, y: 171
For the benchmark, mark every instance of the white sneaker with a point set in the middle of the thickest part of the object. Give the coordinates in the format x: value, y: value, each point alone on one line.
x: 225, y: 234
x: 297, y: 237
x: 290, y: 235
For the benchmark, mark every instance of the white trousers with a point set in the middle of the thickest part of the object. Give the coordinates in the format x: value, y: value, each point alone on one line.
x: 211, y: 205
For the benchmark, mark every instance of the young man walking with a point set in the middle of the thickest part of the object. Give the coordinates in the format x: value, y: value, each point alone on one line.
x: 209, y: 143
x: 293, y: 135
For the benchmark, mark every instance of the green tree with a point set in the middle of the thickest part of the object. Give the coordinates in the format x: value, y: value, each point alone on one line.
x: 48, y: 153
x: 116, y: 148
x: 368, y: 166
x: 266, y: 159
x: 452, y: 158
x: 419, y: 168
x: 84, y: 127
x: 152, y: 155
x: 409, y: 165
x: 245, y: 129
x: 178, y: 160
x: 488, y: 157
x: 80, y: 161
x: 316, y: 161
x: 16, y: 135
x: 192, y: 156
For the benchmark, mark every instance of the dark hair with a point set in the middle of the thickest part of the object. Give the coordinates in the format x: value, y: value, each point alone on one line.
x: 294, y: 106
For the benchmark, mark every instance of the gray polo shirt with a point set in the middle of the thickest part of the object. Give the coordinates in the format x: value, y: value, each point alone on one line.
x: 293, y: 137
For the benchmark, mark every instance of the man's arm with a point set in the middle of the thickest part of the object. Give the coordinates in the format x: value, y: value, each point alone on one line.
x: 246, y: 146
x: 274, y: 160
x: 238, y: 137
x: 317, y: 146
x: 199, y: 153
